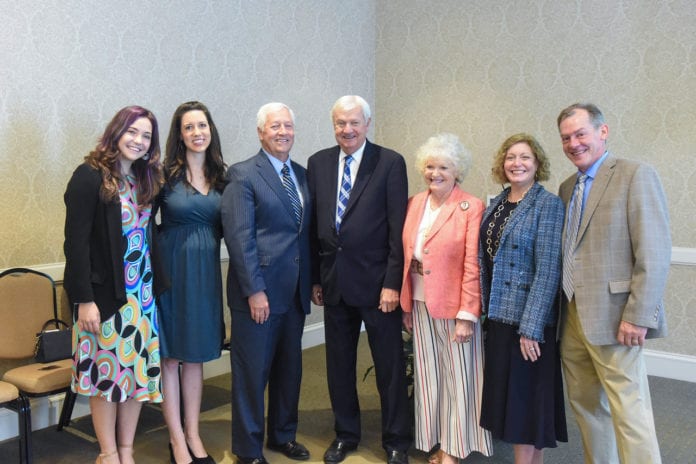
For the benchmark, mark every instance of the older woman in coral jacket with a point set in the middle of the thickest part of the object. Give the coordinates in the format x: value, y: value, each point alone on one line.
x: 442, y: 303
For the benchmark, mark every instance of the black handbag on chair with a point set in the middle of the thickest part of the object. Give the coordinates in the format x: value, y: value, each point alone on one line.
x: 54, y: 342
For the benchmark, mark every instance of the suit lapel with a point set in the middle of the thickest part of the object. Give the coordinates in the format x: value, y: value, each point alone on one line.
x: 367, y: 167
x: 599, y: 185
x: 520, y: 211
x: 447, y: 210
x: 270, y: 176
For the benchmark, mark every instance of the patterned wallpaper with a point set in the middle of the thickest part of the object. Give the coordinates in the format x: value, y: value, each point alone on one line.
x: 486, y: 70
x: 68, y: 66
x: 480, y: 69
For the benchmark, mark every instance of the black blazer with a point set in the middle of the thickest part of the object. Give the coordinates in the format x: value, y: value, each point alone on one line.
x: 94, y: 246
x: 367, y: 254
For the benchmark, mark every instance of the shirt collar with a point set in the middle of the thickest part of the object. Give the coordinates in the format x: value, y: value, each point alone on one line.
x: 592, y: 172
x: 276, y: 163
x: 357, y: 154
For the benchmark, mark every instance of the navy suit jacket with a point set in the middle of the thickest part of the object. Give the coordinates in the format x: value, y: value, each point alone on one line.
x: 367, y: 254
x: 268, y: 250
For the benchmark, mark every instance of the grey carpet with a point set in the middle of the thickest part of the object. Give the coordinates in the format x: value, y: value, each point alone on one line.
x: 673, y: 404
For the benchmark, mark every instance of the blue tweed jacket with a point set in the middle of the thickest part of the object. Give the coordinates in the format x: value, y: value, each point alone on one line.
x: 527, y: 267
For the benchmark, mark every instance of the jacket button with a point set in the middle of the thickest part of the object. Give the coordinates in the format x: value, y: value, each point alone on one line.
x: 507, y: 283
x: 514, y: 247
x: 339, y: 249
x: 297, y: 260
x: 512, y: 264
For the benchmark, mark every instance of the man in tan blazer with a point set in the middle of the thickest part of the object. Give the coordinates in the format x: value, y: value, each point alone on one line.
x: 614, y: 274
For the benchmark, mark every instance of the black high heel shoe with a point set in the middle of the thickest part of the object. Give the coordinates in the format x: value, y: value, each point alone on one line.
x: 204, y: 460
x: 172, y: 460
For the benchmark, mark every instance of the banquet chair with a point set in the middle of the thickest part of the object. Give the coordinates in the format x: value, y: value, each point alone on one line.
x: 10, y: 398
x: 27, y: 301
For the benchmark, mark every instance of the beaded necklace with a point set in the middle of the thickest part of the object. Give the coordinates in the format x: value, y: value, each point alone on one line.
x: 493, y: 240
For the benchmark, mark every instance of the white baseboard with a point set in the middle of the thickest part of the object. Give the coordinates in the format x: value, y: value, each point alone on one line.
x: 671, y: 365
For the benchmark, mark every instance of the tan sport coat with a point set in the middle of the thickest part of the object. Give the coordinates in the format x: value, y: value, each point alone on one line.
x: 623, y: 251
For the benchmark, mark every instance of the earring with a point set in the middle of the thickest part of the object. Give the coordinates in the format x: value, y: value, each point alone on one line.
x: 147, y: 156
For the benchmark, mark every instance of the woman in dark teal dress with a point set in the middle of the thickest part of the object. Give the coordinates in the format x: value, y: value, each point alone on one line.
x: 112, y: 275
x: 192, y: 327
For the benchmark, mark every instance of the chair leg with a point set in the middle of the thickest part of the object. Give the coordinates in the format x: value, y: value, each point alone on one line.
x: 24, y: 422
x: 67, y: 409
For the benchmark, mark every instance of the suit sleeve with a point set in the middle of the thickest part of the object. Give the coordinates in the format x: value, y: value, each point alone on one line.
x: 397, y: 200
x: 648, y: 228
x: 81, y: 198
x: 547, y: 268
x: 239, y: 228
x: 313, y: 237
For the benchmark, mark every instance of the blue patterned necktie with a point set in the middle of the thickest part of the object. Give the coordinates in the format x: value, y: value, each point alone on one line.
x: 292, y: 193
x: 572, y: 236
x: 344, y: 194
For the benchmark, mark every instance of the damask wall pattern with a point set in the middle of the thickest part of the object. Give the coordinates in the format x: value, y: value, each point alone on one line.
x: 482, y: 70
x: 486, y: 70
x: 68, y: 66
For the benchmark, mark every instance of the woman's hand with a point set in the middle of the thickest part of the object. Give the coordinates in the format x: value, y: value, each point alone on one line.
x: 530, y: 349
x: 463, y: 330
x: 88, y: 318
x: 407, y: 320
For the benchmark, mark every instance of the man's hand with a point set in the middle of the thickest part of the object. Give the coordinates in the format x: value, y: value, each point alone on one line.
x: 388, y: 300
x: 258, y: 306
x: 631, y: 334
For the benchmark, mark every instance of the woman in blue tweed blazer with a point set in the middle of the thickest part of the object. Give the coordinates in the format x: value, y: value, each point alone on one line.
x: 520, y: 259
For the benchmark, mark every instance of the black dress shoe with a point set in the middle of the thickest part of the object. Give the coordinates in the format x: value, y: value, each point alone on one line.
x: 338, y: 450
x: 207, y: 459
x: 171, y: 455
x: 291, y: 449
x: 397, y: 457
x: 260, y: 460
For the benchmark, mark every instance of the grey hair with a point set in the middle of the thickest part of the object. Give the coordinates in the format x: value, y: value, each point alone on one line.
x: 596, y: 116
x: 349, y: 102
x: 272, y: 107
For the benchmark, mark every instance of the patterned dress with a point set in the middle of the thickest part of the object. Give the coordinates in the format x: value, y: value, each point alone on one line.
x: 122, y: 361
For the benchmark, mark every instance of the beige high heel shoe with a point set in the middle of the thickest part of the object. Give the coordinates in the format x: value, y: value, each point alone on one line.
x: 105, y: 456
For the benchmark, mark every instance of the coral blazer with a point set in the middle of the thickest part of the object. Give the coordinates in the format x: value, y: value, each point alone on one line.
x: 450, y: 255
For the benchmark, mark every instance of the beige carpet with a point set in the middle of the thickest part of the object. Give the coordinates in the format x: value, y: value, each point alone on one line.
x: 672, y: 403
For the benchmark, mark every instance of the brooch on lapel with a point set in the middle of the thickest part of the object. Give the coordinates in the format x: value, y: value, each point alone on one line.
x: 464, y: 205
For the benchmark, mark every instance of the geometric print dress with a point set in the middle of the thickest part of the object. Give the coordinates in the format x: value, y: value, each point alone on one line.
x: 122, y: 361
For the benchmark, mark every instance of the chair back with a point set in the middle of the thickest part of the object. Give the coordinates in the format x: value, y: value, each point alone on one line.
x: 27, y: 301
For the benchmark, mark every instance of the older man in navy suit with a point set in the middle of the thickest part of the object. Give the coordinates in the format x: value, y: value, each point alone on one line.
x: 360, y: 192
x: 266, y: 211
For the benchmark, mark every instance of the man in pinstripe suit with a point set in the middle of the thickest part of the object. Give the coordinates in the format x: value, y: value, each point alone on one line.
x: 266, y: 211
x: 615, y: 264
